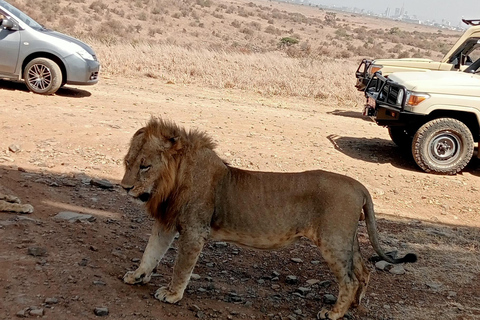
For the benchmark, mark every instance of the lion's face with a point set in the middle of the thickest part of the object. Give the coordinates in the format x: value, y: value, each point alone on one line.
x: 148, y: 167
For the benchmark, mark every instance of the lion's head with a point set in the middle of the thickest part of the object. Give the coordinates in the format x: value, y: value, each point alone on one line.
x: 150, y: 165
x: 153, y: 162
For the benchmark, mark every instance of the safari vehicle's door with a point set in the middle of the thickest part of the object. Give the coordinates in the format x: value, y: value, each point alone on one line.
x: 9, y: 46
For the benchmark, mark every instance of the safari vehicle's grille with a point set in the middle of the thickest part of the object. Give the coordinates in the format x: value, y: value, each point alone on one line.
x: 94, y: 76
x: 386, y: 92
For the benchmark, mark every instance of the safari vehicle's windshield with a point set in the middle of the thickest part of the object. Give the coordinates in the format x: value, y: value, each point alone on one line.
x: 20, y: 15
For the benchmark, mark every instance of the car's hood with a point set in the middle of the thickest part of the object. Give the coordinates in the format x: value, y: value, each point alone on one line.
x: 443, y: 82
x: 401, y: 62
x: 69, y: 39
x: 390, y: 66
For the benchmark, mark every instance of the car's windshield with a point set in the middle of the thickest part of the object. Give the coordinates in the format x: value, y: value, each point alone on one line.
x: 20, y: 15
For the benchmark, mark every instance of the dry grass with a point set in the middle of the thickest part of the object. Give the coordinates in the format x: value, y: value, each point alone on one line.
x: 237, y: 43
x: 270, y: 73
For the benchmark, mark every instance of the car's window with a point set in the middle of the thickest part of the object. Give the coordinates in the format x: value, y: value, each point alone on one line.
x: 20, y: 15
x: 475, y: 53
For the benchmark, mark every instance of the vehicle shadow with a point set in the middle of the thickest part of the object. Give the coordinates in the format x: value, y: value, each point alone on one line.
x: 374, y: 150
x: 62, y: 92
x: 13, y: 85
x: 73, y: 92
x: 378, y: 150
x: 349, y: 114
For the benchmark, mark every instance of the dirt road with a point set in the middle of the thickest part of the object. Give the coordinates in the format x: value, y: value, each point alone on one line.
x: 81, y: 134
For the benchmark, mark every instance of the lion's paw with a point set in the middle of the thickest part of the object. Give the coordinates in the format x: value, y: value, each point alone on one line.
x: 133, y: 277
x: 165, y: 295
x: 323, y: 314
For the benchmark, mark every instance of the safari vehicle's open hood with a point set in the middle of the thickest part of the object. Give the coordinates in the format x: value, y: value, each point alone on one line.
x: 441, y: 82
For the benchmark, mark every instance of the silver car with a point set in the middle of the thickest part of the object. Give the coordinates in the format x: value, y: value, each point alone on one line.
x: 45, y: 59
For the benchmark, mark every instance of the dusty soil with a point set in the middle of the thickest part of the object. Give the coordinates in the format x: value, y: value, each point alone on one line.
x: 82, y: 133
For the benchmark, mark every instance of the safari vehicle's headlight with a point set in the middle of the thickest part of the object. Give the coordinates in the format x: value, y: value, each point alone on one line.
x: 400, y: 97
x: 414, y: 99
x: 374, y: 68
x: 84, y: 54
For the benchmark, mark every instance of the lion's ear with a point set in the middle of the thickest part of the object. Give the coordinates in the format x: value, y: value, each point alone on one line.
x: 139, y: 132
x: 175, y: 144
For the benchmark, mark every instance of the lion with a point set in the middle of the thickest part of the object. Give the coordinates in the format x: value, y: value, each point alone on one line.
x: 9, y: 203
x: 188, y: 189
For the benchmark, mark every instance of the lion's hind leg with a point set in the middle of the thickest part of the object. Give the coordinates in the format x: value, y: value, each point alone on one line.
x: 361, y: 273
x: 340, y: 261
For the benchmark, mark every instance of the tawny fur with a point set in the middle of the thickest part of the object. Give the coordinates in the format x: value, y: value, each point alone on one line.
x: 188, y: 189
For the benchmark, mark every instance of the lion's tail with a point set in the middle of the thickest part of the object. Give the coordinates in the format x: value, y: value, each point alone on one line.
x: 373, y: 233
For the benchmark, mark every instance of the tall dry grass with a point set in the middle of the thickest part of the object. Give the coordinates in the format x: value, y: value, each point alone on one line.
x: 271, y: 73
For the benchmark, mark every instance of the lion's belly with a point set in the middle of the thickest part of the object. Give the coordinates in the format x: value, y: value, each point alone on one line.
x: 245, y: 239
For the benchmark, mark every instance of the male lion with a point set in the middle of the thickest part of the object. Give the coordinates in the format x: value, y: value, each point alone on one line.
x: 188, y: 189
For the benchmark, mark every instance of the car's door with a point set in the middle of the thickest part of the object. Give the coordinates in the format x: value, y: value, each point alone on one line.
x: 9, y: 49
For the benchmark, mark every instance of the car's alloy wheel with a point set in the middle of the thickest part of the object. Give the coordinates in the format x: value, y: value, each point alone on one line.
x: 443, y: 145
x: 43, y: 76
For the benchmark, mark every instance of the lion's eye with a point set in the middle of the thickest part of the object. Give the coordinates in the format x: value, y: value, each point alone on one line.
x: 145, y: 168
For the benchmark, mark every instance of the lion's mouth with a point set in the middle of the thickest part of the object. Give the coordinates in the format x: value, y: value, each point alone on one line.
x: 144, y: 197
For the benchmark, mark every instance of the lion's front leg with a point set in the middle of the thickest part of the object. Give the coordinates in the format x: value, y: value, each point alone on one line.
x: 189, y: 248
x: 158, y: 243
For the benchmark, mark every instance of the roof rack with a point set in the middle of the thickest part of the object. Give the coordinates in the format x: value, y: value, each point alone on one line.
x: 472, y: 22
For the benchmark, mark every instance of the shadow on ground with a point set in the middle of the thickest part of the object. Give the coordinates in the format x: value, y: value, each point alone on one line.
x: 350, y: 114
x: 63, y: 91
x: 80, y: 264
x: 378, y: 150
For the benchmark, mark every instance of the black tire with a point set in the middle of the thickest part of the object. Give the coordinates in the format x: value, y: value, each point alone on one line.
x: 443, y: 145
x: 401, y: 137
x: 43, y: 76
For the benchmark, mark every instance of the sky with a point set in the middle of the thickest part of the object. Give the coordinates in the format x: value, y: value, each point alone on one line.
x: 437, y: 10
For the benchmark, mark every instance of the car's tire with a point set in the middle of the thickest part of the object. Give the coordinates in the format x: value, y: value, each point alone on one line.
x: 443, y: 145
x: 42, y: 76
x: 401, y: 137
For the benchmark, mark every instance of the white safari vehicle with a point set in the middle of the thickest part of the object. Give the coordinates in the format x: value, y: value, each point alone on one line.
x: 458, y: 58
x: 435, y: 114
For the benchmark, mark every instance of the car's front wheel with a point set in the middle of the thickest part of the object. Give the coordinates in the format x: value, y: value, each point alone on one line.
x: 42, y: 76
x: 443, y: 145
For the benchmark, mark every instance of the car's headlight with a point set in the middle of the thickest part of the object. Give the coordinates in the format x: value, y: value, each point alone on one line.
x: 414, y: 99
x: 84, y: 54
x: 400, y: 97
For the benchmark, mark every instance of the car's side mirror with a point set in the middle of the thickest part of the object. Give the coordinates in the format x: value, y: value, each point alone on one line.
x: 7, y: 23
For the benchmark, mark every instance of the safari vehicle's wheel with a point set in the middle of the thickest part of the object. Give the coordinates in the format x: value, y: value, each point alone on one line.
x: 443, y: 145
x: 401, y: 137
x: 43, y: 76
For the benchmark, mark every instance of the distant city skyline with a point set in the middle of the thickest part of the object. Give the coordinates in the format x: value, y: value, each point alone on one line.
x: 423, y: 10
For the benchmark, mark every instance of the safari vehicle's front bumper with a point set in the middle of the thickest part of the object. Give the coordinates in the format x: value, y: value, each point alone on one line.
x: 386, y: 101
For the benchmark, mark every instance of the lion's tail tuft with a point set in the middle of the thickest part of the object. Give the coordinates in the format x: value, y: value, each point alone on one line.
x: 373, y: 234
x: 409, y: 258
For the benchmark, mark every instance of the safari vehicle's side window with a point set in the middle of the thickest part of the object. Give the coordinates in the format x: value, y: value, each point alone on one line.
x: 475, y: 54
